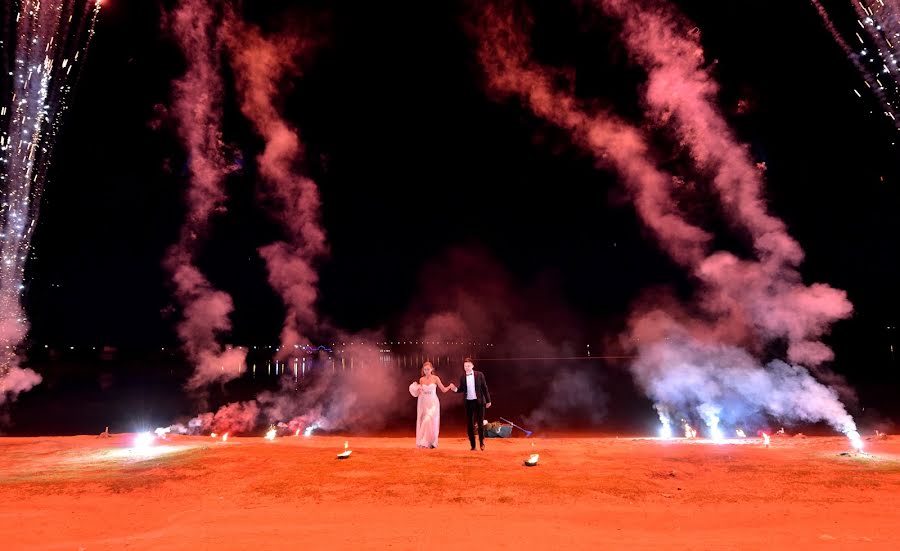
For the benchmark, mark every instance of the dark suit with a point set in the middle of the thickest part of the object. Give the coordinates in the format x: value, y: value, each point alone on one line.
x: 475, y: 408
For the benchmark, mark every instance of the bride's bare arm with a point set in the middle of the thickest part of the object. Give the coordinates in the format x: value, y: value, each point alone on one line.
x: 441, y: 385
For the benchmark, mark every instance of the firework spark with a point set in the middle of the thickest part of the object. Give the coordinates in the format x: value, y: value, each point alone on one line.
x: 50, y: 41
x: 876, y: 36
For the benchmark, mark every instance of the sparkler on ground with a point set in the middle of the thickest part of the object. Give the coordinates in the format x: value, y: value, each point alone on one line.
x: 533, y: 458
x: 48, y: 41
x: 855, y: 439
x: 710, y: 415
x: 346, y: 453
x: 665, y: 430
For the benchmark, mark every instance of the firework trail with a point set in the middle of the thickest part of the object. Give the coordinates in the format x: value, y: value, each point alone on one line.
x: 764, y: 291
x: 878, y: 34
x: 260, y: 64
x: 45, y: 46
x: 744, y: 304
x: 505, y: 56
x: 208, y: 33
x: 197, y: 108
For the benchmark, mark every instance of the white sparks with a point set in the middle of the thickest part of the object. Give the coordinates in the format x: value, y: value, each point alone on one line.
x: 45, y: 41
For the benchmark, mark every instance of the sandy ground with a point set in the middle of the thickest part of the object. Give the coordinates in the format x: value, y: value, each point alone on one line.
x: 87, y: 493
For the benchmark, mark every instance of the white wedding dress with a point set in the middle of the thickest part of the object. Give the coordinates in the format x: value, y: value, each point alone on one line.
x: 428, y: 414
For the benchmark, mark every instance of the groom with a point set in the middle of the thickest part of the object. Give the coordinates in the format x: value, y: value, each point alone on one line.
x: 473, y: 385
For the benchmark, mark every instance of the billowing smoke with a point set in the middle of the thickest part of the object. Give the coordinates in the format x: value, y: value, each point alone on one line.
x: 695, y: 378
x: 261, y: 64
x: 767, y: 292
x: 234, y: 418
x: 15, y: 381
x: 744, y: 306
x: 571, y: 397
x: 197, y: 106
x: 362, y: 395
x: 465, y: 294
x: 331, y: 397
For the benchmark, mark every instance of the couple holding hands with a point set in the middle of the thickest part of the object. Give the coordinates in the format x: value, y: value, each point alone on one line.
x: 472, y: 385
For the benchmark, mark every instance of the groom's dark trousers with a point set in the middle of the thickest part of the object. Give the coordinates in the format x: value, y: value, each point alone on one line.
x: 475, y: 418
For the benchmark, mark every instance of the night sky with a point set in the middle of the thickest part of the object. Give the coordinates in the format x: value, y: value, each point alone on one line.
x: 414, y: 159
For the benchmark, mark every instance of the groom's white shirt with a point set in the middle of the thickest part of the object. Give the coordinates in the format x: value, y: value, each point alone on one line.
x: 470, y: 386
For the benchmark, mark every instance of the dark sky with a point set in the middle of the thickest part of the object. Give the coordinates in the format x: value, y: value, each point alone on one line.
x: 413, y: 158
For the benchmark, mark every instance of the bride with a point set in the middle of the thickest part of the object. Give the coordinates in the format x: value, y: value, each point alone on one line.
x: 428, y: 410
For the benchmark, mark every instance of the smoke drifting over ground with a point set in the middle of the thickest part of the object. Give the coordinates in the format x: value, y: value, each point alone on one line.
x: 694, y: 378
x: 570, y: 395
x: 362, y: 395
x: 465, y: 294
x: 358, y: 398
x: 700, y: 358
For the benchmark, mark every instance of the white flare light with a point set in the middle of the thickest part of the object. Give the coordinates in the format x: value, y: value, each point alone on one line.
x: 143, y: 440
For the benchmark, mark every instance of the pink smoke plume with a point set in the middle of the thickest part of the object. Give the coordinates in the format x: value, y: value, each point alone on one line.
x: 261, y: 63
x: 505, y: 56
x: 745, y: 303
x: 197, y: 108
x: 15, y: 381
x: 234, y: 418
x: 681, y: 94
x: 466, y: 295
x: 362, y: 395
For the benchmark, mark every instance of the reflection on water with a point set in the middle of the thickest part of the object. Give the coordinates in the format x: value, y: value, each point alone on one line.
x: 300, y: 367
x: 84, y: 391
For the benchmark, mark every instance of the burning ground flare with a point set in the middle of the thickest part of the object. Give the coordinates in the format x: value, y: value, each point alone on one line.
x: 704, y: 361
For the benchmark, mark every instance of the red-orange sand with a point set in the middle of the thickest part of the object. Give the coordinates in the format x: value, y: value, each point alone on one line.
x: 88, y: 493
